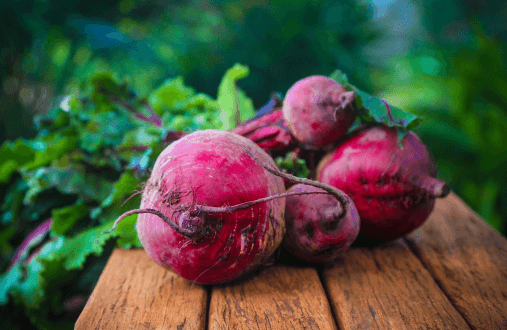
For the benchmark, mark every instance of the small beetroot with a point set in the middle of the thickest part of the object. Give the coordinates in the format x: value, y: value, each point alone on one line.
x: 322, y: 226
x: 315, y: 231
x: 393, y: 188
x: 318, y: 110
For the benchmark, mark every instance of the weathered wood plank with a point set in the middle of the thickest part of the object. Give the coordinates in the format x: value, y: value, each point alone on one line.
x: 387, y: 287
x: 279, y: 297
x: 133, y: 292
x: 468, y: 260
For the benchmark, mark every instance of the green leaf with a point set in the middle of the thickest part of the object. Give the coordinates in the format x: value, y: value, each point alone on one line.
x: 8, y: 281
x: 13, y: 201
x: 54, y: 119
x: 292, y: 164
x: 126, y: 185
x: 70, y: 180
x: 374, y: 109
x: 127, y: 234
x: 169, y: 93
x: 64, y: 218
x: 378, y: 111
x: 14, y: 155
x: 75, y: 250
x: 51, y: 150
x: 5, y: 236
x: 234, y: 104
x: 140, y: 136
x: 104, y: 87
x: 30, y: 289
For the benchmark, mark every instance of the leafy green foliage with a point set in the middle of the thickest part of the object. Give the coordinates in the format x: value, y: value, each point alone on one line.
x: 86, y: 167
x: 66, y: 217
x: 375, y: 110
x: 292, y: 164
x: 236, y: 107
x: 14, y: 155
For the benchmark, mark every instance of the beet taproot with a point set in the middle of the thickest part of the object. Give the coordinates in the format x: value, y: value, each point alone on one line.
x: 328, y: 210
x: 393, y: 188
x: 189, y: 218
x: 318, y: 110
x: 315, y: 231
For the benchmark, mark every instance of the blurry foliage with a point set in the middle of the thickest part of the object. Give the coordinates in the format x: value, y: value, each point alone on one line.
x: 457, y: 81
x: 68, y: 185
x: 442, y: 60
x: 52, y: 47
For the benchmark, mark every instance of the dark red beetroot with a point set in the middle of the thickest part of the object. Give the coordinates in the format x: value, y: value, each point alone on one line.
x: 328, y: 210
x: 318, y: 110
x: 393, y: 189
x: 315, y: 231
x: 193, y: 182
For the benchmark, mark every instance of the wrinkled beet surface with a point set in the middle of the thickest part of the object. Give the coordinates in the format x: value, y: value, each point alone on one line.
x: 211, y: 168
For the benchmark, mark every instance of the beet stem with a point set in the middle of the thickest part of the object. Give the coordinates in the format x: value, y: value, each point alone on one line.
x: 245, y: 205
x: 184, y: 232
x: 207, y: 209
x: 388, y: 111
x: 345, y: 100
x: 332, y: 190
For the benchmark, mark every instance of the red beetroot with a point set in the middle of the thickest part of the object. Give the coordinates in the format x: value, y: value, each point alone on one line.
x: 315, y: 231
x: 188, y: 220
x: 328, y: 210
x: 394, y: 189
x: 318, y: 110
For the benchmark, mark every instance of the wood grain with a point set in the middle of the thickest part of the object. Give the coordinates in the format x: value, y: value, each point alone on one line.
x: 133, y: 292
x: 468, y: 260
x: 387, y: 287
x: 279, y: 297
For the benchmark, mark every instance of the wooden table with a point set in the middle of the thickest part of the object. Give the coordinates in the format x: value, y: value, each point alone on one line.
x: 449, y: 274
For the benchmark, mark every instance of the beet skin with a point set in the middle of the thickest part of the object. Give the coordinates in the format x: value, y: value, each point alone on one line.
x: 211, y: 168
x: 315, y: 231
x: 393, y: 188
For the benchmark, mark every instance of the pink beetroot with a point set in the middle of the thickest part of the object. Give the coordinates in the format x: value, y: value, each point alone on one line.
x: 315, y: 231
x: 393, y: 188
x: 318, y: 110
x: 321, y: 226
x: 196, y: 214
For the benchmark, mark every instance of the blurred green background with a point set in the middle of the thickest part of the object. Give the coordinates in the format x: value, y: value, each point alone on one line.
x: 443, y: 60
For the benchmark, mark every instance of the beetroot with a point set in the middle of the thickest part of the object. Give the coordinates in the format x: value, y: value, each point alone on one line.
x: 189, y: 216
x: 315, y: 231
x: 318, y: 110
x: 320, y: 226
x: 394, y: 189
